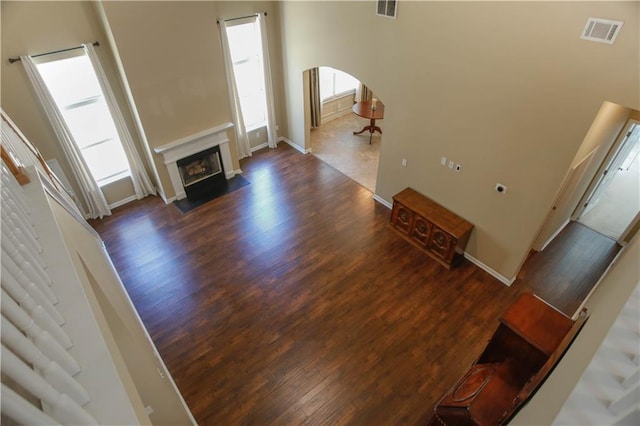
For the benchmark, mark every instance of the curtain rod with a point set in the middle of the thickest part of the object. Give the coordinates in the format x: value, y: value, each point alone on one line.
x: 241, y: 17
x: 12, y: 60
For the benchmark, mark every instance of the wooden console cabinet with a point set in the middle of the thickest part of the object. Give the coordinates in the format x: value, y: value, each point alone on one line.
x: 530, y: 340
x: 426, y: 224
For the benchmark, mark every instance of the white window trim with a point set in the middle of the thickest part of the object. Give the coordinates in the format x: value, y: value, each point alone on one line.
x: 339, y: 95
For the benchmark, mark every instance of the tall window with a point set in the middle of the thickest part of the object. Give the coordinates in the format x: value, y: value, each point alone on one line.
x: 334, y: 83
x: 76, y: 91
x: 245, y: 45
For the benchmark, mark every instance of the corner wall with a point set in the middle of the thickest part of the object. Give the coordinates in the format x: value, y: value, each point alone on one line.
x: 38, y: 27
x: 172, y: 55
x: 602, y: 134
x: 480, y: 84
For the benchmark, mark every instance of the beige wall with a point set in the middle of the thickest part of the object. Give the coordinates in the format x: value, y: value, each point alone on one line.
x: 169, y: 52
x: 37, y: 27
x: 506, y: 89
x: 604, y: 131
x: 172, y: 57
x: 257, y: 137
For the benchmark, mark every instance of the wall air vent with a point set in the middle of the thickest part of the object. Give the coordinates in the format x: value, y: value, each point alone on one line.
x: 601, y: 30
x: 387, y: 8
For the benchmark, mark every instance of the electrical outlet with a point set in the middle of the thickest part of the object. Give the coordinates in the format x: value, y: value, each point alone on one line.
x: 451, y: 164
x: 404, y: 162
x: 443, y: 161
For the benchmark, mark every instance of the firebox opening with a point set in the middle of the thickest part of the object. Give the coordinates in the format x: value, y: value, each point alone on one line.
x: 201, y: 173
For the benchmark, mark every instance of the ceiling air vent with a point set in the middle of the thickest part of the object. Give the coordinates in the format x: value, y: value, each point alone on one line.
x: 601, y: 30
x: 387, y: 8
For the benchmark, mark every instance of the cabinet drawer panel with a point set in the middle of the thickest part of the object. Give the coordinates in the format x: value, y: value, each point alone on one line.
x: 441, y: 243
x: 440, y: 233
x: 402, y: 217
x: 421, y: 230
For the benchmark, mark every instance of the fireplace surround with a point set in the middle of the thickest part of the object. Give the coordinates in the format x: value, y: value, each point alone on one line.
x: 191, y: 147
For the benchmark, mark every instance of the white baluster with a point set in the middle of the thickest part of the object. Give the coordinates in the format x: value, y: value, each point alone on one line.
x: 12, y: 245
x: 16, y: 250
x: 34, y: 290
x: 631, y: 417
x: 626, y: 400
x: 22, y: 219
x: 16, y: 203
x: 50, y: 370
x: 19, y: 216
x: 64, y: 409
x: 23, y: 232
x: 43, y: 340
x: 39, y: 315
x: 22, y: 411
x: 632, y: 379
x: 9, y: 181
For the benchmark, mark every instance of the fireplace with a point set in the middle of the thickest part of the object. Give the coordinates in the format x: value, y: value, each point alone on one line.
x: 201, y: 172
x: 204, y: 159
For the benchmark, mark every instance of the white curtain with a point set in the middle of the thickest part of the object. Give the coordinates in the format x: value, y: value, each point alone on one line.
x: 139, y: 177
x: 242, y: 140
x: 271, y: 110
x: 89, y: 188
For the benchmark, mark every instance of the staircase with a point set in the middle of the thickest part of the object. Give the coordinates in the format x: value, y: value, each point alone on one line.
x: 609, y: 391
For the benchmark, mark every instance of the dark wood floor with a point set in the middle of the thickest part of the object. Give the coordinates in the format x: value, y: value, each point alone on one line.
x: 566, y: 271
x: 290, y: 301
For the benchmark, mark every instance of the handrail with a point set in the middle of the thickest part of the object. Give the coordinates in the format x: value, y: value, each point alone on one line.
x: 56, y: 182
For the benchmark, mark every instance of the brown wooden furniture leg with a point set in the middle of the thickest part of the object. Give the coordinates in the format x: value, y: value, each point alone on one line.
x: 372, y: 128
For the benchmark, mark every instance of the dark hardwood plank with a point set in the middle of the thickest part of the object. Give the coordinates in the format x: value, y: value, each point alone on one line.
x: 290, y: 300
x: 566, y: 271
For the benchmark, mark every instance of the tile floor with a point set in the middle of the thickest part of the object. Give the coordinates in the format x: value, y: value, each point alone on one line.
x: 335, y: 144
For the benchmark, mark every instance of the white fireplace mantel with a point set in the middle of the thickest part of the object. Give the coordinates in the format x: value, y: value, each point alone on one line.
x: 198, y: 142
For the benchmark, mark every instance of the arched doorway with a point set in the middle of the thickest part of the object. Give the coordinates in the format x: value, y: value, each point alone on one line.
x: 337, y: 135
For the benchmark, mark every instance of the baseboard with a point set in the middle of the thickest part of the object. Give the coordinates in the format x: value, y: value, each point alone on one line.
x: 259, y: 147
x: 382, y: 201
x: 504, y: 280
x: 293, y: 145
x: 335, y: 115
x: 164, y: 196
x: 555, y: 234
x: 123, y: 202
x: 471, y: 259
